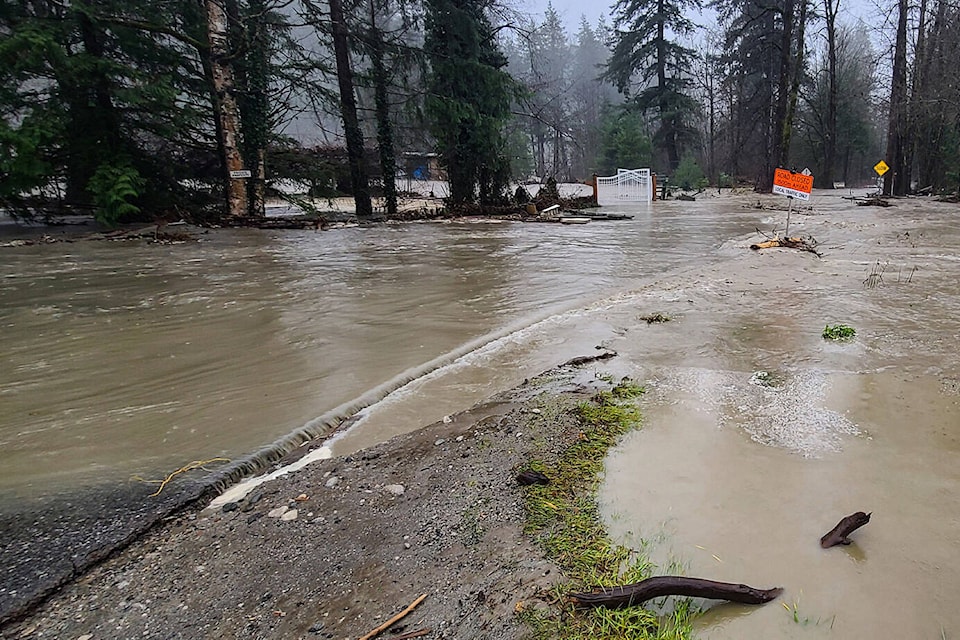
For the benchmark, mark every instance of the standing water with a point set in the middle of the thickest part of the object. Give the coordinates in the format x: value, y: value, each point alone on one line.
x: 760, y: 435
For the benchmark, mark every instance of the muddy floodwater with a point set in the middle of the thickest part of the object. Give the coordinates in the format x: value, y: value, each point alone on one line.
x: 759, y: 435
x: 126, y: 359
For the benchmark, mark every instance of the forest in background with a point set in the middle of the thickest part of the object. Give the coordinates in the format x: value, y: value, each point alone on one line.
x: 194, y: 108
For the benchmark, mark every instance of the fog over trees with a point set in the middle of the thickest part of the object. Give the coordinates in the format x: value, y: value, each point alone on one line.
x: 136, y: 109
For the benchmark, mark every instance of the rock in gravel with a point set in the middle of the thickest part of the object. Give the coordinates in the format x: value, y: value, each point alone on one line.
x: 394, y: 489
x: 278, y: 512
x: 332, y: 482
x: 289, y: 515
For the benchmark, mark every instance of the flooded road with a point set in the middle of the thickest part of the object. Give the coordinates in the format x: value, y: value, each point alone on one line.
x: 123, y: 359
x: 759, y: 435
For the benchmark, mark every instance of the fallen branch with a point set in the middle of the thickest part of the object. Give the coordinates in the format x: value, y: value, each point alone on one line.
x: 386, y: 625
x: 659, y: 586
x: 197, y: 464
x: 582, y: 360
x: 789, y: 243
x: 838, y: 535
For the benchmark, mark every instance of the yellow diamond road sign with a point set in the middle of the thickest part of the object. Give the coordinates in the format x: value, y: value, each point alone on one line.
x: 881, y: 168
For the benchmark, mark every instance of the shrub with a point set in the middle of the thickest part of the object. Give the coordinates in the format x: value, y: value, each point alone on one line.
x: 688, y: 174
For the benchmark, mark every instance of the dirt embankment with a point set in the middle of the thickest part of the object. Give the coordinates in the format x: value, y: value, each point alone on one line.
x: 337, y: 548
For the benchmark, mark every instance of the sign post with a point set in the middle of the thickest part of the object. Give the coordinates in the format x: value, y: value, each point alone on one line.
x: 881, y: 168
x: 242, y: 173
x: 793, y: 185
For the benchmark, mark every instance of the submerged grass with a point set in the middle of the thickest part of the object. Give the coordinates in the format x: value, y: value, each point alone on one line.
x: 564, y: 517
x: 838, y: 332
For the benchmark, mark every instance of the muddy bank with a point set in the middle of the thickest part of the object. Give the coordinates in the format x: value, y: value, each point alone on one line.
x: 335, y: 549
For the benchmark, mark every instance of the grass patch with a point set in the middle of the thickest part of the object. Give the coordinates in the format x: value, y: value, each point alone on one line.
x: 564, y: 518
x: 838, y: 332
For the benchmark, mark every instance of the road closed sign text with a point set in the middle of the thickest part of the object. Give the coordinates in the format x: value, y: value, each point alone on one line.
x: 793, y: 185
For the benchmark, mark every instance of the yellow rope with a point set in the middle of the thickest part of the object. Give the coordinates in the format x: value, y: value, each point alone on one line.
x: 196, y: 464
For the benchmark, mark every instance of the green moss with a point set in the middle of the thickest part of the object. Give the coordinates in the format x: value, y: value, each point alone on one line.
x: 564, y: 518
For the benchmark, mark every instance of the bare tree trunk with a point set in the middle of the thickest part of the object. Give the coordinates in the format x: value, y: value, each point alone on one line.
x: 388, y: 159
x: 787, y: 131
x: 896, y: 124
x: 348, y: 109
x: 913, y: 115
x: 830, y: 9
x: 783, y: 91
x: 225, y: 105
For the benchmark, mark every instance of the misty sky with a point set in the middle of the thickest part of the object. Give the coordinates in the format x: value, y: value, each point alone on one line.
x: 571, y: 10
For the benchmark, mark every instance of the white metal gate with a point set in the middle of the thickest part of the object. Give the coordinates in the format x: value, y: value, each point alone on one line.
x: 629, y: 185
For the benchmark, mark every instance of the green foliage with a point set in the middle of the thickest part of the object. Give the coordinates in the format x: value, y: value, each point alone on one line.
x: 468, y: 101
x: 114, y: 188
x: 642, y: 49
x: 838, y: 332
x: 688, y: 174
x: 624, y: 142
x: 725, y: 181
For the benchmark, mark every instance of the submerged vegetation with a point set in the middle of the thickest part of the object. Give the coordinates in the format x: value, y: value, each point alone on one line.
x: 838, y: 332
x: 656, y: 318
x: 564, y: 518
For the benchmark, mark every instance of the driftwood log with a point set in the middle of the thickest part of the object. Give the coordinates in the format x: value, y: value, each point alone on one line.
x: 528, y: 477
x: 838, y: 535
x: 659, y: 586
x: 788, y: 243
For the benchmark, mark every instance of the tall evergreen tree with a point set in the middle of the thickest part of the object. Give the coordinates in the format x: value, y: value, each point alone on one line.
x: 468, y: 99
x: 643, y: 50
x: 765, y: 58
x: 590, y: 95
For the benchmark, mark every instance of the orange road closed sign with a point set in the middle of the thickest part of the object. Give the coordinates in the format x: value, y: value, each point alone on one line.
x: 792, y: 185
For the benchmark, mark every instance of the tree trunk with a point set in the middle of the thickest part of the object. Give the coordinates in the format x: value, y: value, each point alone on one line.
x: 913, y: 114
x: 657, y: 587
x: 220, y: 69
x: 253, y: 80
x: 348, y: 109
x: 780, y: 139
x: 787, y: 131
x: 896, y: 124
x: 830, y: 8
x: 668, y: 124
x: 388, y: 159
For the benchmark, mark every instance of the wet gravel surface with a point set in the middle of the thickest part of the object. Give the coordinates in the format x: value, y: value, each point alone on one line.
x: 337, y: 548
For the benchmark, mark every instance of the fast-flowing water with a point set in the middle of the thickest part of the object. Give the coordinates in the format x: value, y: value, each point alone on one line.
x: 123, y: 359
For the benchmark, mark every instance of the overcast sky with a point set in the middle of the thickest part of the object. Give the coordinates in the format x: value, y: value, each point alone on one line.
x: 571, y: 10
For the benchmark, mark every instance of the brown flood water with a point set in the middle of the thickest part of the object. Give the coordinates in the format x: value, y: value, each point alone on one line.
x: 132, y: 359
x: 123, y: 359
x: 736, y: 474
